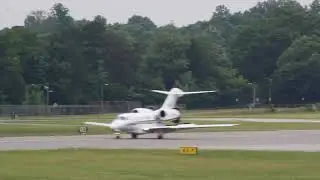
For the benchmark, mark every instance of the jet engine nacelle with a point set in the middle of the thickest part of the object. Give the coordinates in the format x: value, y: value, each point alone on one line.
x: 169, y: 115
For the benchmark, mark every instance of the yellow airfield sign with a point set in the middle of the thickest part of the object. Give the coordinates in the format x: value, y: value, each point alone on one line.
x: 188, y: 150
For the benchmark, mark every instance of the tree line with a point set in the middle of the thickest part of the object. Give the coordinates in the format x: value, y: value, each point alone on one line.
x: 271, y: 48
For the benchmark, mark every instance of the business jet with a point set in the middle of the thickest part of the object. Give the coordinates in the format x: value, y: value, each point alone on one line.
x: 145, y: 121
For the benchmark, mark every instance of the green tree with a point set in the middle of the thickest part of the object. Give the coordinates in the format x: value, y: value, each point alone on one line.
x: 34, y: 95
x: 297, y: 75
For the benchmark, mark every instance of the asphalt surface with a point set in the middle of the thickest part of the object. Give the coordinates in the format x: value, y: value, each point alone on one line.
x: 261, y: 140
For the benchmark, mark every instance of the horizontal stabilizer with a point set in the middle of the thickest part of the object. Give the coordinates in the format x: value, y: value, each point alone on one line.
x: 197, y: 92
x: 161, y: 92
x: 174, y: 94
x: 180, y: 92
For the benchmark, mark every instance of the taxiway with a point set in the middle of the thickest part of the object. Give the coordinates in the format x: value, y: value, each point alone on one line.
x: 302, y: 140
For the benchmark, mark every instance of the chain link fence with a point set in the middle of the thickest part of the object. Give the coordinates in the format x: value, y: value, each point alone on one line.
x: 51, y: 110
x: 126, y: 106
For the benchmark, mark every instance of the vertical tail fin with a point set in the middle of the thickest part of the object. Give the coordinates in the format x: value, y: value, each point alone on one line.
x: 174, y: 94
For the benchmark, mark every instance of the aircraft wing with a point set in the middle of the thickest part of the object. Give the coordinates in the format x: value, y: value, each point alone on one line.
x: 164, y: 128
x: 97, y: 124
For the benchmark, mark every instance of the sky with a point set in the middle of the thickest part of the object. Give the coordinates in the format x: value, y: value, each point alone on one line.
x: 161, y: 12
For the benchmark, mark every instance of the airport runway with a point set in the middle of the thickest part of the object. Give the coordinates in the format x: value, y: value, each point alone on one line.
x: 259, y: 140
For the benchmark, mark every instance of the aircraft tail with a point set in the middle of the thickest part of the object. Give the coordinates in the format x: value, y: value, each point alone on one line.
x: 174, y: 94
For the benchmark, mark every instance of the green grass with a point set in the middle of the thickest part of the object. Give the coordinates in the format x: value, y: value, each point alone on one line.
x: 47, y: 130
x: 254, y: 114
x: 287, y: 115
x: 69, y: 125
x: 65, y: 118
x: 57, y: 129
x: 158, y: 164
x: 240, y: 113
x: 257, y: 126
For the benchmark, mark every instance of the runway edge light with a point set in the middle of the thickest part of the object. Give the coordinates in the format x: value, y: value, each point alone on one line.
x: 189, y: 150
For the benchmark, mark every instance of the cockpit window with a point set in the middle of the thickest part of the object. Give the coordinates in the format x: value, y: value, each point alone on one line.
x: 134, y: 110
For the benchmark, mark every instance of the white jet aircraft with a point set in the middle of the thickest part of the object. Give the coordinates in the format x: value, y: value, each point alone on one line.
x: 144, y: 121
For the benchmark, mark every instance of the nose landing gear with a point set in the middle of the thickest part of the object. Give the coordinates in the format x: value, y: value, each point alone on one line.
x: 160, y: 136
x: 117, y: 135
x: 134, y: 135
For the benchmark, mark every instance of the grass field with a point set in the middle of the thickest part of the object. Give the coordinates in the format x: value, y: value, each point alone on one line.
x: 292, y: 115
x: 65, y: 129
x: 253, y: 114
x: 240, y: 113
x: 158, y: 164
x: 69, y: 125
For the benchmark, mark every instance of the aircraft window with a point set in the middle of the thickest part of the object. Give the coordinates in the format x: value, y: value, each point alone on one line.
x: 122, y: 118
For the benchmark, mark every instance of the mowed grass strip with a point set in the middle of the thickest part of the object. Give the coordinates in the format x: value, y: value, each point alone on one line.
x: 158, y: 164
x: 69, y: 125
x: 255, y: 126
x: 272, y: 115
x: 63, y: 117
x: 76, y: 119
x: 30, y: 129
x: 47, y: 130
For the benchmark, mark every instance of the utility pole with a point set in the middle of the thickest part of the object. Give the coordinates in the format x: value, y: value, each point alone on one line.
x: 270, y: 85
x: 102, y: 77
x: 101, y: 99
x: 102, y: 95
x: 47, y: 97
x: 253, y: 94
x: 47, y: 94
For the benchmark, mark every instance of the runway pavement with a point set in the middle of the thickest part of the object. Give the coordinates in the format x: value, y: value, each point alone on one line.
x: 263, y: 140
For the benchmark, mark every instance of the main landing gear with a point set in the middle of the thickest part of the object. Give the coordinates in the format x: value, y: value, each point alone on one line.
x: 135, y: 136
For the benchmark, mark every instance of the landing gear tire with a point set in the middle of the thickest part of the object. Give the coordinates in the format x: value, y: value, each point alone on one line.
x: 160, y: 136
x: 134, y: 136
x: 117, y: 135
